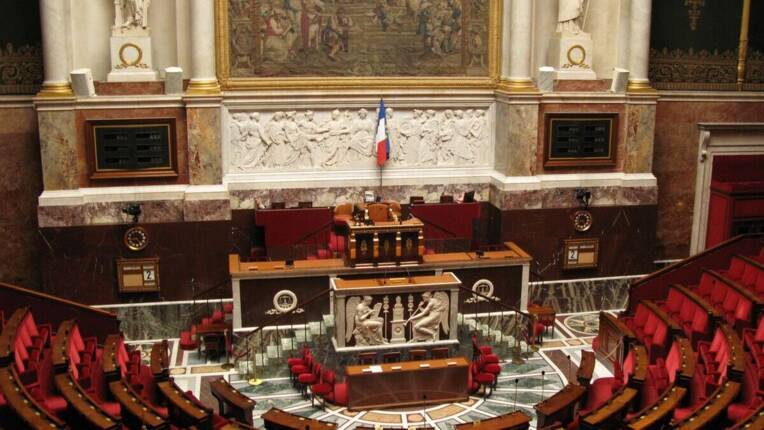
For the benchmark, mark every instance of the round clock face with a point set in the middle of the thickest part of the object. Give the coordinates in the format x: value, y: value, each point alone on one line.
x: 136, y: 238
x: 582, y: 220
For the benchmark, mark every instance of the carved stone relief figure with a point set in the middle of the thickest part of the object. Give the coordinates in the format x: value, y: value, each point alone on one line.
x: 364, y: 322
x: 431, y: 313
x: 345, y: 139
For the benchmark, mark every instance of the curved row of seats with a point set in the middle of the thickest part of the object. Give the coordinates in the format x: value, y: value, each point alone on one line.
x: 77, y: 383
x: 708, y: 376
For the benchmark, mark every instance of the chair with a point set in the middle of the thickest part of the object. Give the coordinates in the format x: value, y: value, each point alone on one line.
x: 446, y: 198
x: 188, y: 341
x: 342, y: 214
x: 278, y: 205
x: 308, y: 379
x: 417, y: 354
x: 485, y: 380
x: 438, y: 353
x: 391, y: 357
x: 367, y: 358
x: 378, y: 212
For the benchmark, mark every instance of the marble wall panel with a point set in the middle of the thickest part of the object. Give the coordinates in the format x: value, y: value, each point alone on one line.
x: 553, y: 198
x: 20, y: 184
x: 85, y: 156
x: 640, y: 133
x: 675, y: 160
x: 329, y: 196
x: 58, y: 149
x: 205, y: 158
x: 620, y: 144
x: 522, y: 140
x: 206, y: 210
x: 154, y: 211
x: 582, y: 296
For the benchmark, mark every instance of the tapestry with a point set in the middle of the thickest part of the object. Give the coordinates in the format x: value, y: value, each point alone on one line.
x: 694, y: 44
x: 336, y: 38
x: 20, y: 48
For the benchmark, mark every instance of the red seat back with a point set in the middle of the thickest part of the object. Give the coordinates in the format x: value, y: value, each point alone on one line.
x: 688, y: 310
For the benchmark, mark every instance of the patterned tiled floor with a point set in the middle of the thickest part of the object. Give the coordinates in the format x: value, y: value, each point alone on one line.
x: 520, y: 386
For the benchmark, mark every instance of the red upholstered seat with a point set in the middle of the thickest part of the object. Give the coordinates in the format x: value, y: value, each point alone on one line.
x: 598, y: 394
x: 706, y: 286
x: 674, y: 302
x: 340, y: 394
x: 188, y: 341
x: 750, y: 398
x: 228, y: 307
x: 718, y: 293
x: 217, y: 316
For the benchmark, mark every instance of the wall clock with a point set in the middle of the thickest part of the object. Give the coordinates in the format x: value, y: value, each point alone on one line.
x: 582, y: 220
x: 136, y: 238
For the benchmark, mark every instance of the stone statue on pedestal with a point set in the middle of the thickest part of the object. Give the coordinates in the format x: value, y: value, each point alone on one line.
x: 430, y: 314
x: 571, y: 49
x: 131, y: 57
x: 131, y: 13
x: 569, y: 16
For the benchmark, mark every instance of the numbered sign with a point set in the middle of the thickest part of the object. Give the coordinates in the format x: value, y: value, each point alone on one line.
x: 138, y: 275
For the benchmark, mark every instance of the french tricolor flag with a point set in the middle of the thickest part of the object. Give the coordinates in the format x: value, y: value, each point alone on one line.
x: 383, y: 142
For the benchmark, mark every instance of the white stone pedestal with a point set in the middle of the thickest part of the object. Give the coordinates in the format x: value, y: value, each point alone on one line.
x: 131, y: 57
x: 572, y: 55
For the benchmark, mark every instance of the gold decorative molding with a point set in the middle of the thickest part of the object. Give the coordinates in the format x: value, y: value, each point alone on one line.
x: 517, y: 86
x: 56, y: 90
x: 640, y: 87
x: 743, y: 46
x: 230, y: 83
x: 205, y: 87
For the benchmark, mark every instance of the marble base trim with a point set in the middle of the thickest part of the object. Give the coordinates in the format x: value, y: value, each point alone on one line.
x: 101, y: 206
x: 570, y: 296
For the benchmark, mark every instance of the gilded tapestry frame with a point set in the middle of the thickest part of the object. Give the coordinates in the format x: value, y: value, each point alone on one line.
x: 229, y: 83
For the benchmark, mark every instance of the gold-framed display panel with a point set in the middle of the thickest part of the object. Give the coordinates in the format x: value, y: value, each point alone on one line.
x: 608, y: 160
x: 230, y: 83
x: 98, y: 172
x: 138, y: 275
x: 581, y: 253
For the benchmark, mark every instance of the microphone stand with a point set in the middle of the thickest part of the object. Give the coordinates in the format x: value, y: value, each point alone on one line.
x: 517, y: 380
x: 542, y: 384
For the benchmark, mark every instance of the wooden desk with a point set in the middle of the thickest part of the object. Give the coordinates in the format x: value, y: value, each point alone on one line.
x: 737, y: 354
x: 23, y: 406
x: 60, y: 349
x: 160, y: 360
x: 640, y: 366
x: 385, y: 241
x: 136, y: 413
x: 687, y: 361
x: 109, y: 362
x: 754, y: 421
x: 8, y: 336
x: 586, y: 368
x: 219, y: 330
x: 182, y: 410
x: 714, y: 407
x: 232, y: 403
x: 276, y: 419
x: 514, y: 421
x: 86, y: 408
x: 408, y: 383
x: 656, y: 415
x: 610, y: 415
x: 614, y: 339
x: 560, y: 407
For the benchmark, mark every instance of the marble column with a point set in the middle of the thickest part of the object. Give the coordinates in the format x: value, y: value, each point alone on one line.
x: 520, y: 47
x: 55, y: 54
x: 639, y: 46
x: 203, y: 78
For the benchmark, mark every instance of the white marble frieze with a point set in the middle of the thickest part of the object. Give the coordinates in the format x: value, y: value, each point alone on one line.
x: 343, y: 139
